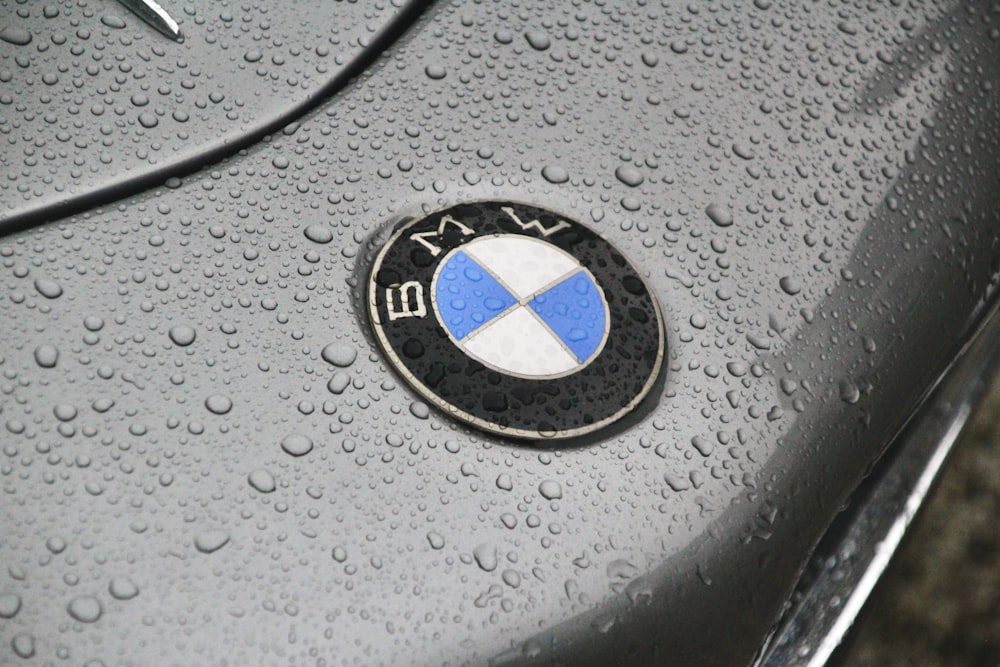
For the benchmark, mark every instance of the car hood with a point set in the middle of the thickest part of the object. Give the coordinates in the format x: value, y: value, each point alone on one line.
x: 95, y: 104
x: 809, y: 191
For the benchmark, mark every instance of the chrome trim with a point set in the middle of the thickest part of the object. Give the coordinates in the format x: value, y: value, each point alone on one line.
x: 156, y: 16
x: 843, y: 573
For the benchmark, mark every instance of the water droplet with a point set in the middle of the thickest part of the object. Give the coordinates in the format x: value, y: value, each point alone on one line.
x: 538, y: 40
x: 50, y: 289
x: 790, y: 285
x: 10, y: 604
x: 86, y: 609
x: 113, y: 21
x: 435, y: 71
x: 297, y: 444
x: 218, y: 404
x: 719, y: 215
x: 23, y: 645
x: 319, y: 233
x: 554, y: 174
x: 703, y: 445
x: 743, y: 151
x: 550, y: 489
x: 339, y: 354
x: 122, y: 588
x: 16, y: 36
x: 435, y: 539
x: 338, y: 383
x: 182, y: 335
x: 504, y: 482
x: 262, y: 481
x: 849, y: 392
x: 211, y: 540
x: 511, y: 578
x: 64, y: 412
x: 46, y: 356
x: 629, y: 175
x: 486, y: 557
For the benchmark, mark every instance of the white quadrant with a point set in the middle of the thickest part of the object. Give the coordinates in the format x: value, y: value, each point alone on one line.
x: 517, y: 343
x: 523, y: 264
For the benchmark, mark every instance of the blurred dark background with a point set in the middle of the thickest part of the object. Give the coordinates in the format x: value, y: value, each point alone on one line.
x: 939, y: 602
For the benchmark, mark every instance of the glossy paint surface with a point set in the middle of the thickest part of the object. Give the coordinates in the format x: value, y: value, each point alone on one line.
x: 205, y: 455
x: 94, y: 103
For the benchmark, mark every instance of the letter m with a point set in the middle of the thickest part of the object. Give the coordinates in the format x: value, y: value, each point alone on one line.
x: 424, y: 238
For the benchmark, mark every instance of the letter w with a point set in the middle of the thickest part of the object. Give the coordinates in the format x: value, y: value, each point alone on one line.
x: 535, y: 224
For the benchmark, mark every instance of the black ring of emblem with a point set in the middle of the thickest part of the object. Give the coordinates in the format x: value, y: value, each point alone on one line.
x: 410, y: 334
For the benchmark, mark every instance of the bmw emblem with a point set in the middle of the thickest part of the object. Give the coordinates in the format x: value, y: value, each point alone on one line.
x: 516, y: 320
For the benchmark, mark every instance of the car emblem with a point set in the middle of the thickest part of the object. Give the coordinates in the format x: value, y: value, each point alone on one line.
x: 516, y: 320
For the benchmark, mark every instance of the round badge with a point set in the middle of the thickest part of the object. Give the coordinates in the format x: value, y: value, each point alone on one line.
x: 516, y: 320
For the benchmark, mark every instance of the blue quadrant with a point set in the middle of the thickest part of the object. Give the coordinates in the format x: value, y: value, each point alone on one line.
x: 468, y: 297
x: 574, y: 310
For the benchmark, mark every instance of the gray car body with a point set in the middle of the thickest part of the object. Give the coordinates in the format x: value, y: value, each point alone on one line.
x: 811, y: 191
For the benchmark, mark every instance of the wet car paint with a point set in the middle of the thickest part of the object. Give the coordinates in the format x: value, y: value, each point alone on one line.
x: 810, y: 192
x: 96, y: 104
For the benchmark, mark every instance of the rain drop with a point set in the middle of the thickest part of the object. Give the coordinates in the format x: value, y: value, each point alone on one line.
x: 50, y: 289
x: 554, y: 174
x: 538, y: 40
x: 16, y: 36
x: 719, y: 215
x: 122, y: 588
x: 849, y: 392
x: 338, y: 383
x: 504, y: 482
x: 23, y: 645
x: 297, y: 445
x: 435, y: 71
x: 550, y: 489
x: 262, y: 481
x: 790, y: 285
x: 211, y: 540
x: 743, y: 151
x: 218, y: 404
x: 435, y: 539
x: 339, y: 354
x: 629, y: 175
x: 182, y: 335
x: 46, y: 356
x: 486, y: 557
x: 319, y: 233
x: 10, y: 604
x: 86, y: 609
